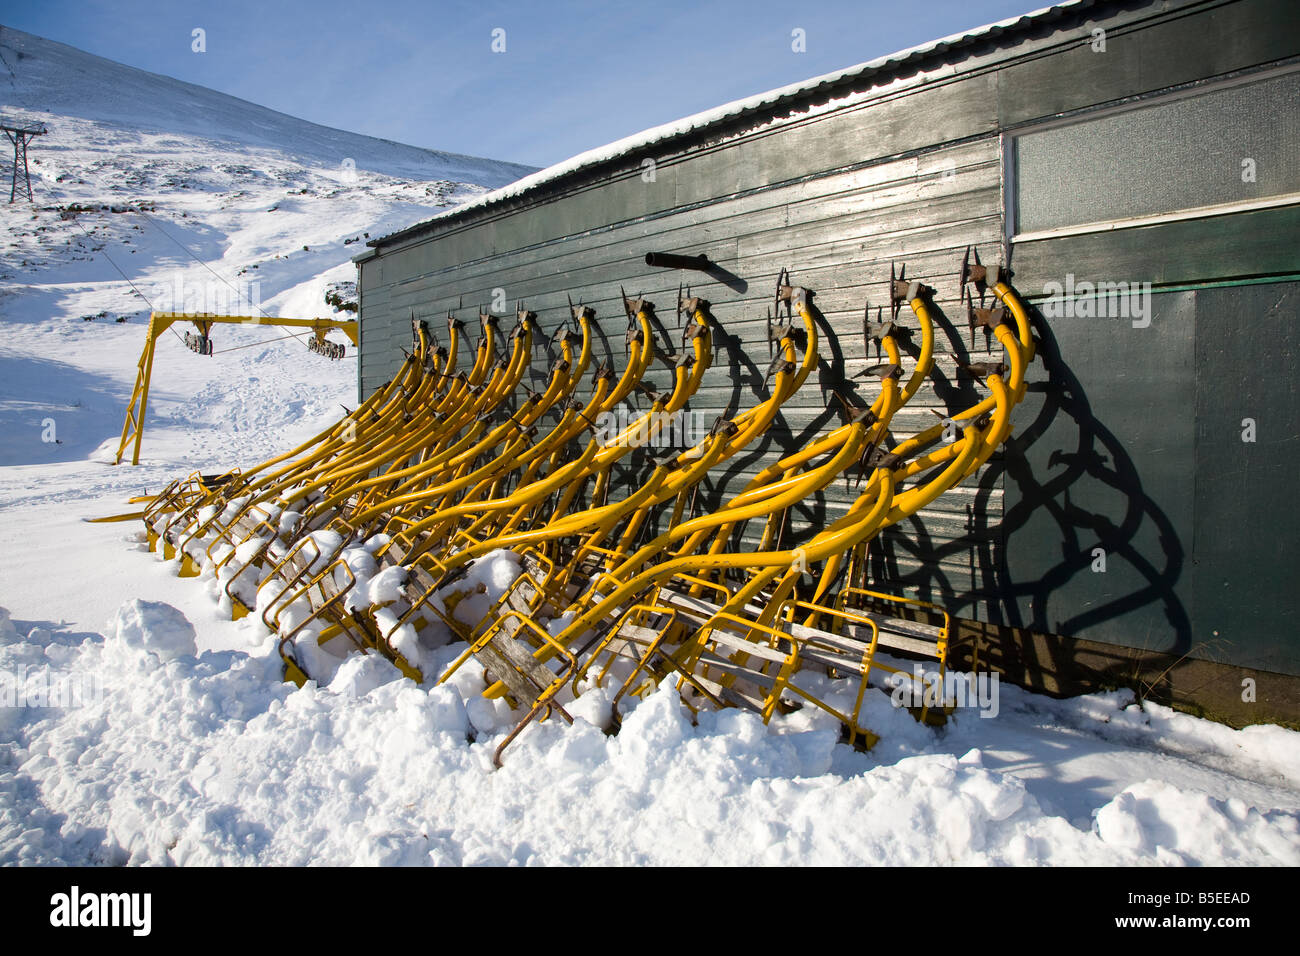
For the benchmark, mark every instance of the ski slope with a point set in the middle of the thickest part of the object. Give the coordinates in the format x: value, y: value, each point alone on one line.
x: 172, y: 738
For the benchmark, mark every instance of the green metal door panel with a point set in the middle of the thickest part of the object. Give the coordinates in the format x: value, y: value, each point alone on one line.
x: 1246, y: 556
x: 1102, y: 457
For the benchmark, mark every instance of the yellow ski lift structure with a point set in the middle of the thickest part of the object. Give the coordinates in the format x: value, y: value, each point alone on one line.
x: 200, y: 342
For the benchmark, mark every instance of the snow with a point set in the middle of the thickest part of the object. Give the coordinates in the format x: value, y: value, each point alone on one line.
x: 139, y: 724
x: 211, y: 760
x: 150, y: 626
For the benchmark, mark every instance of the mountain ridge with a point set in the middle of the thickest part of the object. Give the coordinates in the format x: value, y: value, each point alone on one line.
x: 42, y: 76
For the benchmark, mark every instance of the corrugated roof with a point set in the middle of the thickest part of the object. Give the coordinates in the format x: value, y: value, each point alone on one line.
x: 846, y: 80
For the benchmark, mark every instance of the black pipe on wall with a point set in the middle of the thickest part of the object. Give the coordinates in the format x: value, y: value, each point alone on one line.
x: 670, y: 260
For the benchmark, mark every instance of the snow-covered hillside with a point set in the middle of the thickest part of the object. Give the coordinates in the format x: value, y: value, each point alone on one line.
x: 150, y: 192
x: 137, y: 724
x: 41, y: 76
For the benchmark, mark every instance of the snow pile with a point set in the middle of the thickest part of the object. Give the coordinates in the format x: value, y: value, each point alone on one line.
x: 210, y: 759
x: 1184, y: 828
x: 361, y: 673
x: 153, y: 627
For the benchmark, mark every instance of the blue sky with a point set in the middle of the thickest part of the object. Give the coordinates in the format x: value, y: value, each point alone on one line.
x: 574, y: 74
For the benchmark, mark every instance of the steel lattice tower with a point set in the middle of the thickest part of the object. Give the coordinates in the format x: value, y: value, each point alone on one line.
x: 19, y: 134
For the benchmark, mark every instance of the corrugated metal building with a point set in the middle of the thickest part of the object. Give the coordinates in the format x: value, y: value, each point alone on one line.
x: 1088, y: 144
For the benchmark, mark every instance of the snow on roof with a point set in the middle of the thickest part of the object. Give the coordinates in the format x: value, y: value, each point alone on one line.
x: 736, y: 108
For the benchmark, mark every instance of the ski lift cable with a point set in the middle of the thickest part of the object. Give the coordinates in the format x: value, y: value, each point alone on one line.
x: 217, y: 276
x: 121, y: 273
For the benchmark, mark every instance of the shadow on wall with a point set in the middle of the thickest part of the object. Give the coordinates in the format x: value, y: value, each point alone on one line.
x: 1064, y: 455
x: 1057, y: 459
x: 1097, y: 457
